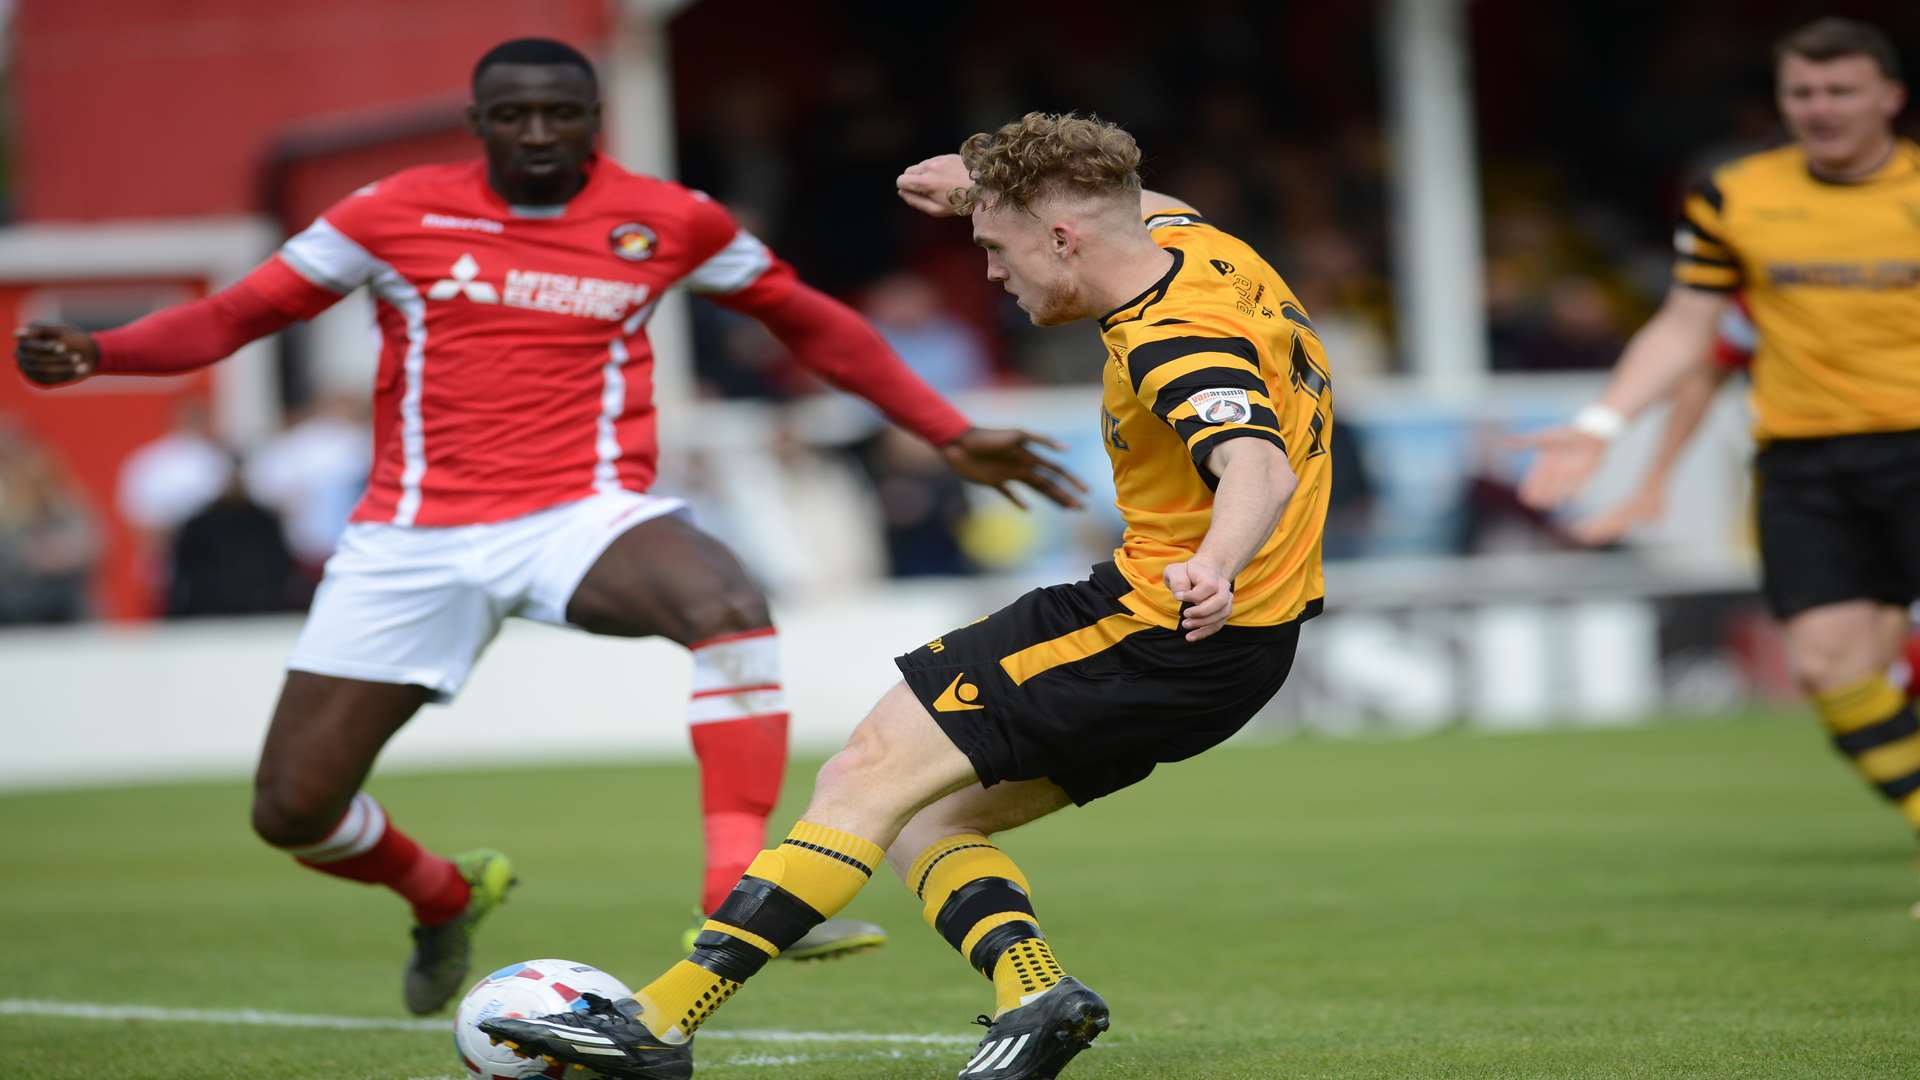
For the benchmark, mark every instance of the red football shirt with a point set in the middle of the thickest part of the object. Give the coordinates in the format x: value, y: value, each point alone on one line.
x: 515, y: 372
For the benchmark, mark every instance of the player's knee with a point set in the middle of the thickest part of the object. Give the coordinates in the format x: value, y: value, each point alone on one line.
x: 729, y: 610
x: 1822, y: 670
x: 1832, y: 659
x: 1828, y: 665
x: 845, y: 771
x: 855, y: 767
x: 290, y: 815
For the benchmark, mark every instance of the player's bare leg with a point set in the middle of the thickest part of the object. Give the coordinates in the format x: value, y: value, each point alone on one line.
x: 307, y: 801
x: 897, y: 763
x: 1840, y: 655
x: 666, y: 578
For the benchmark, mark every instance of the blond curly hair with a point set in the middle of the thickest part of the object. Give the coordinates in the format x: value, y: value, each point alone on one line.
x: 1047, y: 154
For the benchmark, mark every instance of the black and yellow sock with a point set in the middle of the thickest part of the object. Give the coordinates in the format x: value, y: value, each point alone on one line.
x: 786, y: 892
x: 978, y: 900
x: 1874, y: 724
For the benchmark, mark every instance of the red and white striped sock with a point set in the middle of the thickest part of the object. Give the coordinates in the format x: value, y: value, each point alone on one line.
x: 365, y: 847
x: 738, y: 719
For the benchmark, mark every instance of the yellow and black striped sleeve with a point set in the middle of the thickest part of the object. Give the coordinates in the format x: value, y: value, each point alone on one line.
x: 1702, y: 258
x: 1208, y: 389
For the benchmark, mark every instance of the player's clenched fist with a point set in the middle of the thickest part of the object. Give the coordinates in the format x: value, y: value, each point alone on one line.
x: 928, y: 187
x: 50, y: 355
x: 1205, y: 595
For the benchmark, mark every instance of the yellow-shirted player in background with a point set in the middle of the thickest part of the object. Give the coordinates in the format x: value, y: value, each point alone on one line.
x: 1823, y: 236
x: 1217, y: 412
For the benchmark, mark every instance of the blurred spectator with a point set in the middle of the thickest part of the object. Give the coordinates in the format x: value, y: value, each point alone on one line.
x: 48, y: 543
x: 734, y: 152
x: 1580, y: 330
x: 923, y: 506
x: 165, y: 482
x: 941, y: 349
x: 736, y: 358
x: 1345, y: 301
x: 857, y: 140
x: 1350, y: 502
x: 1554, y: 291
x: 312, y: 474
x: 230, y: 558
x: 169, y: 479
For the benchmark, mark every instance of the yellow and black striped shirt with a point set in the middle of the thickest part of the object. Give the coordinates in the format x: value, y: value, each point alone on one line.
x: 1217, y: 349
x: 1832, y: 274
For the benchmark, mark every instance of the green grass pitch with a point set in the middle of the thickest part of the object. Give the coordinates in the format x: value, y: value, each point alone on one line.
x: 1715, y: 898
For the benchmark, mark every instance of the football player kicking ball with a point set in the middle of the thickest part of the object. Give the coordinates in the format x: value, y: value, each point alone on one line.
x: 1217, y: 413
x: 514, y: 448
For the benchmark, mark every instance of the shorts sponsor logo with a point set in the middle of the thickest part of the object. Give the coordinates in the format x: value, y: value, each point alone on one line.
x: 633, y: 241
x: 959, y: 696
x: 1224, y: 406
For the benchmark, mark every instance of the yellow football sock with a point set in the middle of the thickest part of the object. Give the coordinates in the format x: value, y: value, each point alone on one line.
x: 978, y: 900
x: 1874, y: 724
x: 787, y: 891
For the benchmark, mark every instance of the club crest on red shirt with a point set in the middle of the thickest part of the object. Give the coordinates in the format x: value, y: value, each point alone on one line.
x: 633, y: 241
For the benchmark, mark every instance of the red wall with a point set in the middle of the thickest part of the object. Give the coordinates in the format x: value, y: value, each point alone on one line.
x: 138, y: 109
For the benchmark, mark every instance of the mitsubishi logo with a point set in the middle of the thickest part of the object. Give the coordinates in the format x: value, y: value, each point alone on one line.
x: 465, y: 269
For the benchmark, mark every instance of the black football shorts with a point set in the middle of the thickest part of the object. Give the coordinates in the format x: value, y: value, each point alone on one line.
x: 1839, y: 519
x: 1067, y: 683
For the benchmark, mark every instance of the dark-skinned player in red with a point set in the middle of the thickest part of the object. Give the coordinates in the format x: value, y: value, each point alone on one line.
x: 514, y: 446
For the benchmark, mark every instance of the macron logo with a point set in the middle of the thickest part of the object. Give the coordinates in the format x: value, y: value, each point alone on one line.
x: 444, y: 221
x: 465, y: 269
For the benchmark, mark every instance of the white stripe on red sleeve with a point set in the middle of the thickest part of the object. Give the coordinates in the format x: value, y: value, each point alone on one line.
x: 330, y: 258
x: 733, y: 267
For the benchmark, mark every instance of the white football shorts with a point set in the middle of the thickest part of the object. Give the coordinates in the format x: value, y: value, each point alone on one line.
x: 405, y: 604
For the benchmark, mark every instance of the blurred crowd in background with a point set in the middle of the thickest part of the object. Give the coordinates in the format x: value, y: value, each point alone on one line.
x: 218, y: 533
x: 1267, y: 119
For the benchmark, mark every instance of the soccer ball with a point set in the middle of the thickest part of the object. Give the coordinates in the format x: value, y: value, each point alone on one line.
x: 534, y: 988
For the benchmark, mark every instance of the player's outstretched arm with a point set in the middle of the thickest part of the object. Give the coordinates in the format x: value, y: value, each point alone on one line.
x: 833, y: 341
x: 1671, y: 344
x: 929, y: 187
x: 176, y: 339
x: 1256, y: 482
x: 1686, y: 408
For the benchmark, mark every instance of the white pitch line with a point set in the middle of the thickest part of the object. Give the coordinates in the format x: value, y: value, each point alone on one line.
x: 94, y: 1011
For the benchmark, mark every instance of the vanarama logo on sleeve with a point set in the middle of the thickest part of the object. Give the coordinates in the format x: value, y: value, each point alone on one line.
x: 1225, y: 406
